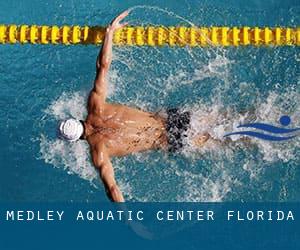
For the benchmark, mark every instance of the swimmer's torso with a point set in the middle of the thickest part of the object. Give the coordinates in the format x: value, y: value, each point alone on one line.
x: 124, y: 130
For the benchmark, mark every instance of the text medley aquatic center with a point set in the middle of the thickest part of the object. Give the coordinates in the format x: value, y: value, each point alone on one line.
x: 159, y: 215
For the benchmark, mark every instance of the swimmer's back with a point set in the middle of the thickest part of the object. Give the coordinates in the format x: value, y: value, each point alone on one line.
x: 126, y: 130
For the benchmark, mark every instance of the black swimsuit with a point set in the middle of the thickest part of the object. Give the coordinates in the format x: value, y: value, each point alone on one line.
x: 177, y: 124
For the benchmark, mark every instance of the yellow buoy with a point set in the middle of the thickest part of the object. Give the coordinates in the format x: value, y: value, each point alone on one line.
x: 152, y: 35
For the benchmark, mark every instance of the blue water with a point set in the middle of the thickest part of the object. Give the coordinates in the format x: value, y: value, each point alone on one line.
x: 42, y: 84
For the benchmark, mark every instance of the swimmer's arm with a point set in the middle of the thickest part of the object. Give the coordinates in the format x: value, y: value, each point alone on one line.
x: 105, y: 56
x: 103, y: 164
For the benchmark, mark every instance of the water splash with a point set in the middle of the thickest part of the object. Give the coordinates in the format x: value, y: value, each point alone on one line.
x: 192, y: 185
x: 74, y: 158
x: 214, y: 84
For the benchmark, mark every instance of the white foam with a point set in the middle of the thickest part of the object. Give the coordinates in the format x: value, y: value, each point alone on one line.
x: 72, y: 157
x: 68, y: 105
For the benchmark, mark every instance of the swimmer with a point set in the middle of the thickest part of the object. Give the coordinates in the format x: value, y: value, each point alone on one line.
x: 114, y: 130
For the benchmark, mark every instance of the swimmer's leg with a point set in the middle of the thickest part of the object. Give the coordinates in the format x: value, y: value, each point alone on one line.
x: 200, y: 140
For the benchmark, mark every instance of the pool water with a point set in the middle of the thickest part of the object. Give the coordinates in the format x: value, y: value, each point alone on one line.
x: 43, y: 84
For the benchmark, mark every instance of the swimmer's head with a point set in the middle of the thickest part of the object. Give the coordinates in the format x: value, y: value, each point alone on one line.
x: 70, y: 130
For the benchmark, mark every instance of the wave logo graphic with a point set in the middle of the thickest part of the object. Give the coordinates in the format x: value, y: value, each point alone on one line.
x: 272, y: 133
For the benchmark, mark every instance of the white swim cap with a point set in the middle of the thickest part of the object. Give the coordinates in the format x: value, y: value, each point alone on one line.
x: 70, y: 130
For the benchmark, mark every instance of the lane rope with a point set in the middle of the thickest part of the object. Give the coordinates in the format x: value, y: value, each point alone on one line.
x: 152, y: 35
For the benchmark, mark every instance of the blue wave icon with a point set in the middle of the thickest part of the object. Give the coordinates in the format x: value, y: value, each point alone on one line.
x: 282, y: 134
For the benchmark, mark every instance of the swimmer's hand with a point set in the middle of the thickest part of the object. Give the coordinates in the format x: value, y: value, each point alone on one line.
x: 115, y: 24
